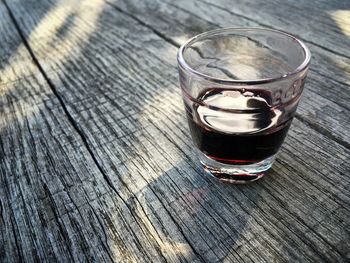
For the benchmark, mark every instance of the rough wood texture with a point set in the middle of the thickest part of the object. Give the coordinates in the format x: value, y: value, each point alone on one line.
x: 96, y: 163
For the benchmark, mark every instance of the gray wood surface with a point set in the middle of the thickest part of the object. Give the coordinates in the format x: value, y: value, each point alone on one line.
x: 96, y: 163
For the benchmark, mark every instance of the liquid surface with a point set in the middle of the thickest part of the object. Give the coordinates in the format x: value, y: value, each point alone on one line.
x: 234, y: 127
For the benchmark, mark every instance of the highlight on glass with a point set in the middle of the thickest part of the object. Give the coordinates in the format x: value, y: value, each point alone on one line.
x: 241, y: 88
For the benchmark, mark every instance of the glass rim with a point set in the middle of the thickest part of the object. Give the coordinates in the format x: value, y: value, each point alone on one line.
x: 182, y: 62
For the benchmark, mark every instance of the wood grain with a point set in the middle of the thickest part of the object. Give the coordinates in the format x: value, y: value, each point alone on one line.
x: 56, y: 204
x: 107, y: 170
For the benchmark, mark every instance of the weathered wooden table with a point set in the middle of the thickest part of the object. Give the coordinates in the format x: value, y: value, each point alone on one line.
x: 96, y: 162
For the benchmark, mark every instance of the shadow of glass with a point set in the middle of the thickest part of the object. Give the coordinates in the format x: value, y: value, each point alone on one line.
x: 212, y: 217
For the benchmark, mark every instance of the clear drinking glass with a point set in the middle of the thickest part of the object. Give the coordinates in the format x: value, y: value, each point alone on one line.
x: 241, y: 88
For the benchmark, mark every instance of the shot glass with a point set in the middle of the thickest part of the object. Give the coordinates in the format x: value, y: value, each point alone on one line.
x: 241, y: 88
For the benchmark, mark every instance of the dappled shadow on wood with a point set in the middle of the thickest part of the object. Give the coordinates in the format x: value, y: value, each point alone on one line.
x: 215, y: 219
x: 114, y: 177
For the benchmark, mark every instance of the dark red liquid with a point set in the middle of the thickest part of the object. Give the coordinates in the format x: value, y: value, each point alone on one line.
x: 236, y: 149
x: 239, y: 137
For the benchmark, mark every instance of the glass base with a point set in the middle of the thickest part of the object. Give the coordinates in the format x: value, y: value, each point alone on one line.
x: 236, y: 174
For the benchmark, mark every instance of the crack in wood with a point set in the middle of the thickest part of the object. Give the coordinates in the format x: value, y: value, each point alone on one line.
x: 160, y: 34
x: 322, y: 131
x: 261, y: 242
x: 269, y: 26
x: 75, y: 126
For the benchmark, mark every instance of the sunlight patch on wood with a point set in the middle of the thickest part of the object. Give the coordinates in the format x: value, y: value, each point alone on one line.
x: 182, y: 39
x: 20, y: 65
x: 85, y: 17
x: 342, y: 19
